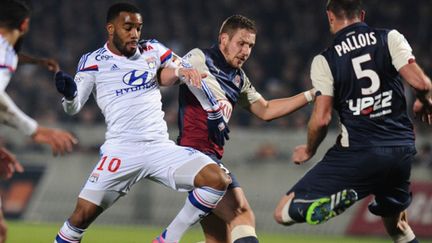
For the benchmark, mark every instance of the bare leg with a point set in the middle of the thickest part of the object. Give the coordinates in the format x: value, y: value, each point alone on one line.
x: 215, y: 229
x: 84, y: 214
x: 235, y: 219
x: 398, y: 228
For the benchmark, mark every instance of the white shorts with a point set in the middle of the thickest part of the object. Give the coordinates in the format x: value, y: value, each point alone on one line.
x: 122, y: 165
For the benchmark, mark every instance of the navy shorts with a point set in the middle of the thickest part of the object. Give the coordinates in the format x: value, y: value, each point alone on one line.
x: 234, y: 180
x: 381, y: 171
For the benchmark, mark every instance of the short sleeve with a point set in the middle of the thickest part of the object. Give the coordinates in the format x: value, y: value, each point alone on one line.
x: 400, y: 49
x: 321, y: 76
x: 248, y: 94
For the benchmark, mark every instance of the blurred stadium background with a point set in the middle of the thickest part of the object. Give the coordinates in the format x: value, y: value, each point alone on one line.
x: 290, y: 34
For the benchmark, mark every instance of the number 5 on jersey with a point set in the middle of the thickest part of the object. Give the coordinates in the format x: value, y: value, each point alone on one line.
x: 112, y: 166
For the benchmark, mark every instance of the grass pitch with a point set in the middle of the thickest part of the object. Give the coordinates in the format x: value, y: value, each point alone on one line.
x: 20, y: 232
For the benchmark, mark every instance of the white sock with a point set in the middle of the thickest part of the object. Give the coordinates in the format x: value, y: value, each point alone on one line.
x: 198, y: 204
x: 69, y: 234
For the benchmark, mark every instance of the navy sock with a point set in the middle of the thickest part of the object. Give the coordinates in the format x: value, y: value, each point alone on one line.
x: 297, y: 211
x: 249, y: 239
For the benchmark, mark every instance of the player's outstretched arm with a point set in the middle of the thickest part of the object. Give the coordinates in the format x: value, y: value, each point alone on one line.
x: 415, y: 76
x: 273, y: 109
x: 48, y: 63
x: 8, y: 164
x: 190, y: 76
x: 59, y: 140
x: 317, y: 129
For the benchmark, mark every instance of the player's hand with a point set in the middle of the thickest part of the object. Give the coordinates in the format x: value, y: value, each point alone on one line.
x: 8, y: 164
x: 191, y: 76
x: 301, y: 154
x: 423, y: 110
x: 59, y: 140
x: 51, y: 64
x: 65, y: 85
x: 217, y: 127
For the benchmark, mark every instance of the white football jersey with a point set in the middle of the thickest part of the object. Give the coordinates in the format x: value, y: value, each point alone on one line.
x: 8, y: 62
x: 126, y: 90
x: 10, y: 114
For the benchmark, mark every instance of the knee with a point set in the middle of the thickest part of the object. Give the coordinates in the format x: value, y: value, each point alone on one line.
x: 281, y: 212
x: 213, y: 176
x: 277, y: 216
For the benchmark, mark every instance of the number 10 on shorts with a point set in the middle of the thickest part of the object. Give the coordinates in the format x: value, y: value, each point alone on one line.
x: 112, y: 166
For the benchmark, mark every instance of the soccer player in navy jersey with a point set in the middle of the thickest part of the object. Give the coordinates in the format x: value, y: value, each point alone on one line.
x: 233, y: 219
x: 360, y: 76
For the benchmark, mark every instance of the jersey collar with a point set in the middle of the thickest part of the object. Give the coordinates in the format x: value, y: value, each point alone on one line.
x: 349, y: 28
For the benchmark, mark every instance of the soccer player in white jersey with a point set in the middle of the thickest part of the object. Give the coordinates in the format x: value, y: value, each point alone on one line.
x: 124, y: 77
x: 14, y: 23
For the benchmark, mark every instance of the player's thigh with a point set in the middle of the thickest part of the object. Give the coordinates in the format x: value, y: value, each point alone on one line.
x: 393, y: 195
x: 117, y: 170
x: 176, y: 166
x: 235, y: 207
x: 339, y: 169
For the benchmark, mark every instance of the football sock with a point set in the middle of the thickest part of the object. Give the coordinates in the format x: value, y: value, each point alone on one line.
x: 244, y: 234
x: 249, y: 239
x: 198, y: 204
x: 69, y: 234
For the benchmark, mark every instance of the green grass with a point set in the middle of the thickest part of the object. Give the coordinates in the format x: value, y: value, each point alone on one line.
x: 44, y: 233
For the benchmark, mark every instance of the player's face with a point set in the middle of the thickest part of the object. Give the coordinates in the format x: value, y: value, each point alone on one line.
x: 238, y: 48
x: 125, y: 32
x: 24, y: 27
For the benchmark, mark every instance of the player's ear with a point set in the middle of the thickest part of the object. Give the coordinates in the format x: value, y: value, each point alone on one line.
x: 25, y: 25
x: 331, y: 17
x: 362, y: 15
x: 110, y: 28
x: 223, y: 39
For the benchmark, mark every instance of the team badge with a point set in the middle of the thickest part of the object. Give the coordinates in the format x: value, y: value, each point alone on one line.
x: 151, y: 62
x: 237, y: 80
x: 94, y: 177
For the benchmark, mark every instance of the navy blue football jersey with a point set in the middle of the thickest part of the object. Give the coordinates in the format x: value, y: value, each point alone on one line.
x: 361, y: 67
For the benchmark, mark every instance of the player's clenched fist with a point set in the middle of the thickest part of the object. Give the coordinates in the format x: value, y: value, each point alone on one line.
x: 59, y: 140
x: 65, y: 85
x: 301, y: 154
x: 423, y: 110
